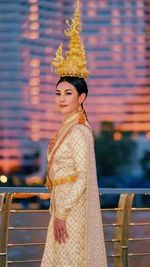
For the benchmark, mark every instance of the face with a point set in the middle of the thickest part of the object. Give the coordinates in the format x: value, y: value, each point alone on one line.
x: 67, y: 99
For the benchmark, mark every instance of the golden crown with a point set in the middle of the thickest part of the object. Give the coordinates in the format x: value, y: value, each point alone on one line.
x: 75, y: 62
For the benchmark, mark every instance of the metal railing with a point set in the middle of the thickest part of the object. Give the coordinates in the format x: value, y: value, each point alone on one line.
x: 117, y: 222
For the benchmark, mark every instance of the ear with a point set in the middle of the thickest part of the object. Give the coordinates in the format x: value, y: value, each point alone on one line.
x: 82, y: 98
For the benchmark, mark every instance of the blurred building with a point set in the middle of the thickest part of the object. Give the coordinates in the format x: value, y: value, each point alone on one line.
x: 116, y: 36
x: 29, y: 35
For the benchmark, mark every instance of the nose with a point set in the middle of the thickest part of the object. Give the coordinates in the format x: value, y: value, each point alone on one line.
x: 62, y: 98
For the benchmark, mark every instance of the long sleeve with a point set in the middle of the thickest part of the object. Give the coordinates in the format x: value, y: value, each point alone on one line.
x: 78, y: 144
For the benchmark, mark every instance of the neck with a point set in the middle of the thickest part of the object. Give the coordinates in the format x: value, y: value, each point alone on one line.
x: 67, y: 116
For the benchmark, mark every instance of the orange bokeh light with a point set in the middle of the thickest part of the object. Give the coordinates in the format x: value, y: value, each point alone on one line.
x: 117, y: 136
x: 34, y: 81
x: 33, y: 16
x: 33, y: 35
x: 35, y: 90
x: 35, y: 62
x: 34, y: 8
x: 34, y: 25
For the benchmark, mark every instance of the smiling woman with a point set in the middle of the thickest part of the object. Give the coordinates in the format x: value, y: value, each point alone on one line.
x: 75, y: 234
x: 70, y: 95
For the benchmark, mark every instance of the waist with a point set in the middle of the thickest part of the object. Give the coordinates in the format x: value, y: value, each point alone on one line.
x: 64, y: 180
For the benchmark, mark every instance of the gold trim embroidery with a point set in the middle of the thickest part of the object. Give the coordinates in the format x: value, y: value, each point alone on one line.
x: 64, y: 180
x: 48, y: 180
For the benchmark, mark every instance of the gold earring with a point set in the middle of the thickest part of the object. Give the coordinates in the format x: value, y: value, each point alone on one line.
x: 82, y: 117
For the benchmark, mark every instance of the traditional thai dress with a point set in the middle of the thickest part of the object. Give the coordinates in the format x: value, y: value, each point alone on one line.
x: 75, y: 199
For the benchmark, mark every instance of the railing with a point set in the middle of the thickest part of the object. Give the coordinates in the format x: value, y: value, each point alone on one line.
x: 118, y: 223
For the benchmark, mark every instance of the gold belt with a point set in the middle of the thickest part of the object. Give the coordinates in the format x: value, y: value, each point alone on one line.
x: 65, y: 180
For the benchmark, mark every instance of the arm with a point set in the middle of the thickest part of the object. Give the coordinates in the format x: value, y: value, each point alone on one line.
x: 79, y: 145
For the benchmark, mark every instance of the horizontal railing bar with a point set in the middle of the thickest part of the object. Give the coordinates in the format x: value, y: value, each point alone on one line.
x: 111, y: 224
x: 33, y: 261
x: 43, y: 227
x: 140, y: 209
x: 2, y: 254
x: 23, y: 261
x: 29, y: 211
x: 139, y: 224
x: 112, y: 209
x: 107, y: 241
x: 109, y: 256
x: 113, y: 256
x: 46, y: 210
x: 26, y: 244
x: 124, y: 190
x: 34, y: 190
x: 139, y: 254
x: 27, y: 228
x: 41, y: 190
x: 112, y: 240
x: 139, y: 239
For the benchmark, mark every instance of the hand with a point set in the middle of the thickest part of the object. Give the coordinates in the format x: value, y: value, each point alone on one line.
x: 60, y: 231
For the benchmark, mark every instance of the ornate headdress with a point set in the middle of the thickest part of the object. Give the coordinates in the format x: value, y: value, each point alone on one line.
x: 74, y: 64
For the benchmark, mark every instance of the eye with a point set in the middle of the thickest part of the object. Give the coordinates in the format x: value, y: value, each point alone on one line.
x: 57, y: 93
x: 68, y: 93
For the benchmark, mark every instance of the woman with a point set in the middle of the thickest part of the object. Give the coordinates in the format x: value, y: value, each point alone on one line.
x: 75, y: 234
x: 73, y: 178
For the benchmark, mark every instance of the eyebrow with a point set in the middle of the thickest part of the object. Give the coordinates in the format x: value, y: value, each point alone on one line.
x: 65, y: 90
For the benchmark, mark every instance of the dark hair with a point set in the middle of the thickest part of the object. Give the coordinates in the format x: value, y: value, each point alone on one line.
x: 79, y: 83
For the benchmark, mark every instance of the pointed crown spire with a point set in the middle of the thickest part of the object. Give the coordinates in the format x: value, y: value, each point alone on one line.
x: 74, y: 64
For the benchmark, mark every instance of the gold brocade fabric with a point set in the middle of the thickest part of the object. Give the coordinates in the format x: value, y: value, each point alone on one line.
x: 65, y: 180
x: 74, y: 201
